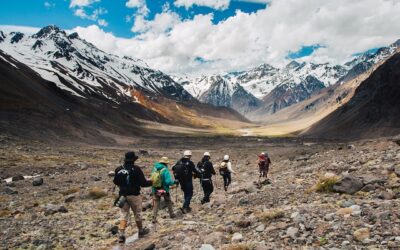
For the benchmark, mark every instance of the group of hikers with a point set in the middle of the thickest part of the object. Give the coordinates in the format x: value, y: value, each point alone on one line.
x: 130, y: 179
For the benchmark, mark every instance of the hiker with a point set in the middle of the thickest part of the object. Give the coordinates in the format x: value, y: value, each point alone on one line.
x: 161, y: 182
x: 130, y: 178
x: 263, y: 165
x: 225, y: 170
x: 183, y: 172
x: 207, y: 171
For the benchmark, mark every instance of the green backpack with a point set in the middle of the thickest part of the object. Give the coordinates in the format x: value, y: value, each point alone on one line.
x: 156, y: 178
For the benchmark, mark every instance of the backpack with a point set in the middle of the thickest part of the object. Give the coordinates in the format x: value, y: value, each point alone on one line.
x: 122, y: 177
x: 223, y: 168
x: 201, y: 169
x: 156, y: 178
x: 180, y: 170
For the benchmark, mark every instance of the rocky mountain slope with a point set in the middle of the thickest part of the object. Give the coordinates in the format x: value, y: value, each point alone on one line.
x: 54, y: 82
x: 373, y: 110
x: 300, y: 209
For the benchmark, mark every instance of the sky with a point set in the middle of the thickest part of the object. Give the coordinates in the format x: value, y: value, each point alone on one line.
x: 213, y: 36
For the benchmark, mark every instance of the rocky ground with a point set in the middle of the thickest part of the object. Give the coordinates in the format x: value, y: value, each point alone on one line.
x: 323, y: 195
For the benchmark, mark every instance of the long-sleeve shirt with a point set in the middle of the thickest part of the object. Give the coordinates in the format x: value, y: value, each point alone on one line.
x: 208, y: 168
x: 136, y: 180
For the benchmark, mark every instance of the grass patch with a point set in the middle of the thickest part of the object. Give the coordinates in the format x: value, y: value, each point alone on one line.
x: 5, y: 213
x: 71, y: 191
x: 96, y: 193
x: 322, y: 241
x: 271, y: 214
x: 325, y: 184
x: 237, y: 247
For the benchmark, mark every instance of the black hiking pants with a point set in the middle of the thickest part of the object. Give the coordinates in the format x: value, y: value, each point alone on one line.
x: 227, y: 179
x: 208, y: 188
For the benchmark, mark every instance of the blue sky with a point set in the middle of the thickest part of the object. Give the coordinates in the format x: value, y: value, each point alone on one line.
x: 214, y: 36
x: 39, y: 13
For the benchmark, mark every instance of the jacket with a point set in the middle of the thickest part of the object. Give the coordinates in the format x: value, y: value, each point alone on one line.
x: 136, y: 180
x: 165, y: 175
x: 208, y: 168
x: 190, y: 169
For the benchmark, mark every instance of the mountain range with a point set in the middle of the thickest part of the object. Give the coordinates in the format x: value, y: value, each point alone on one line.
x: 265, y: 90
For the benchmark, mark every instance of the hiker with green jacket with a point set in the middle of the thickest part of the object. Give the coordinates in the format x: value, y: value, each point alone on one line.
x: 162, y: 180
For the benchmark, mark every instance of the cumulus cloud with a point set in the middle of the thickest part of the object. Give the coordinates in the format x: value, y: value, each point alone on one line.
x: 173, y: 44
x: 140, y: 5
x: 215, y: 4
x: 82, y: 3
x: 49, y: 5
x: 23, y: 29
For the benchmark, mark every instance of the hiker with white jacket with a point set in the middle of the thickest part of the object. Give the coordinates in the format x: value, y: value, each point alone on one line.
x: 225, y: 170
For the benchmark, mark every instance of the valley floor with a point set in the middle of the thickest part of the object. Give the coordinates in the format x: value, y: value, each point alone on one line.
x: 73, y: 208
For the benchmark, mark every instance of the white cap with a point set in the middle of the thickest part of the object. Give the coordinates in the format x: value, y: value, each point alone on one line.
x: 187, y: 153
x: 263, y: 153
x: 226, y: 157
x: 207, y: 154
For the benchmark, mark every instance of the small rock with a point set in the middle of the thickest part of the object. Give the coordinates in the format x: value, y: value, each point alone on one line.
x: 69, y: 198
x: 144, y: 152
x: 95, y: 178
x: 38, y: 181
x: 111, y: 174
x: 52, y: 209
x: 292, y: 232
x: 387, y: 195
x: 260, y: 228
x: 206, y: 247
x: 347, y: 203
x: 237, y: 237
x: 114, y: 230
x: 9, y: 190
x: 151, y: 246
x: 351, y: 146
x: 19, y: 177
x: 361, y: 234
x: 348, y: 185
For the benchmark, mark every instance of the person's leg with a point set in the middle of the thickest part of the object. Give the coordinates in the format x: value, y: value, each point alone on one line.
x: 168, y: 200
x: 136, y: 205
x: 209, y: 190
x: 124, y: 216
x: 225, y: 176
x: 229, y: 179
x: 156, y: 205
x: 189, y: 190
x: 204, y: 186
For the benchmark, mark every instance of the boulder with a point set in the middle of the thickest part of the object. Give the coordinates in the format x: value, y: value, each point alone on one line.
x: 37, y: 181
x: 9, y: 190
x: 293, y: 232
x: 237, y: 237
x: 361, y: 234
x: 206, y: 247
x: 349, y: 185
x: 19, y: 177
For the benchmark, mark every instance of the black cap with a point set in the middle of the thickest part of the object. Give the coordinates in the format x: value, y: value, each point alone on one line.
x: 130, y: 157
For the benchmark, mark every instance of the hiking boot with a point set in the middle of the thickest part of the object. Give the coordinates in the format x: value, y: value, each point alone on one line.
x: 226, y: 188
x: 121, y: 239
x: 183, y: 210
x: 202, y: 202
x: 188, y: 209
x: 143, y: 232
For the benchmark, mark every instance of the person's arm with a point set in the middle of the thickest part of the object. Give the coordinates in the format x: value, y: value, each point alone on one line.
x: 212, y: 169
x: 194, y: 168
x: 143, y: 182
x: 269, y: 160
x: 230, y: 167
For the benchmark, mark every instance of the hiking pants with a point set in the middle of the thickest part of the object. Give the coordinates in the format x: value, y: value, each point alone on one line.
x: 156, y: 206
x: 227, y: 179
x: 208, y: 188
x: 187, y: 188
x: 133, y: 202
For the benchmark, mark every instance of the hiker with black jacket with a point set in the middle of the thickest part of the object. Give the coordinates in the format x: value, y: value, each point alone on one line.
x: 207, y: 171
x: 130, y: 178
x: 183, y: 171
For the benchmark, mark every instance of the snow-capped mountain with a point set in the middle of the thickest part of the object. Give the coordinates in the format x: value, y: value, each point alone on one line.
x: 81, y: 69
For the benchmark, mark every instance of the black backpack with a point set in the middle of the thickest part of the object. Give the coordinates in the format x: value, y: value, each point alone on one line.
x: 201, y: 169
x: 181, y: 170
x: 122, y: 177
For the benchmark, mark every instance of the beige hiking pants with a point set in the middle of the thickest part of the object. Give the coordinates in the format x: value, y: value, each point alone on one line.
x: 135, y: 203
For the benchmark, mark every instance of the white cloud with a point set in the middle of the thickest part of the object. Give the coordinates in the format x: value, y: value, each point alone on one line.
x: 102, y: 22
x: 82, y: 3
x: 140, y: 5
x: 23, y: 29
x: 215, y: 4
x: 49, y: 5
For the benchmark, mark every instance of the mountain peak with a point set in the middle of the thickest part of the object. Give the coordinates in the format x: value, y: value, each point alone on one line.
x: 292, y: 65
x: 73, y: 36
x: 48, y: 30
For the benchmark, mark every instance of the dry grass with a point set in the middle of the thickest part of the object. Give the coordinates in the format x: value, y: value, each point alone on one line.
x: 325, y: 184
x: 5, y: 213
x: 237, y: 247
x: 271, y: 214
x: 71, y: 191
x: 96, y: 193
